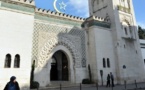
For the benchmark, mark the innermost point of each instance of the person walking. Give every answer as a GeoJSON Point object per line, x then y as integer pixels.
{"type": "Point", "coordinates": [108, 81]}
{"type": "Point", "coordinates": [112, 79]}
{"type": "Point", "coordinates": [12, 84]}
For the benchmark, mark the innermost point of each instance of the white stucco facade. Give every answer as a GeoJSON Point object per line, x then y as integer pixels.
{"type": "Point", "coordinates": [142, 46]}
{"type": "Point", "coordinates": [16, 38]}
{"type": "Point", "coordinates": [107, 41]}
{"type": "Point", "coordinates": [125, 43]}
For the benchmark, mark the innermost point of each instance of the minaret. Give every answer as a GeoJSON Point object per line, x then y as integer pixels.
{"type": "Point", "coordinates": [117, 45]}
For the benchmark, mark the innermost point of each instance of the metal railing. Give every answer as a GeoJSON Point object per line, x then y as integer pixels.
{"type": "Point", "coordinates": [125, 86]}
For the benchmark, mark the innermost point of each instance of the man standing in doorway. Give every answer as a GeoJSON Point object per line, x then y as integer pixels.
{"type": "Point", "coordinates": [112, 79]}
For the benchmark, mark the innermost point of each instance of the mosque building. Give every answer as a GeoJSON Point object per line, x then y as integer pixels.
{"type": "Point", "coordinates": [62, 46]}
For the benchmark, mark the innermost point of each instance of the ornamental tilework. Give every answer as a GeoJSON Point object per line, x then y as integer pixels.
{"type": "Point", "coordinates": [47, 36]}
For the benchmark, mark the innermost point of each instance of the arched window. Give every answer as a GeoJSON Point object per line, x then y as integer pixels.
{"type": "Point", "coordinates": [8, 61]}
{"type": "Point", "coordinates": [17, 61]}
{"type": "Point", "coordinates": [126, 27]}
{"type": "Point", "coordinates": [104, 63]}
{"type": "Point", "coordinates": [108, 63]}
{"type": "Point", "coordinates": [124, 46]}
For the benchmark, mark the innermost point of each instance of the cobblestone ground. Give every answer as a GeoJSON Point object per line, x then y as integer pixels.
{"type": "Point", "coordinates": [140, 86]}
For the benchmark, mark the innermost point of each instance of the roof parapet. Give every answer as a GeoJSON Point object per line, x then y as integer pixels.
{"type": "Point", "coordinates": [26, 2]}
{"type": "Point", "coordinates": [56, 14]}
{"type": "Point", "coordinates": [98, 19]}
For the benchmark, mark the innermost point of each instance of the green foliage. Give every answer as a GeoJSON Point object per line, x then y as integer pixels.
{"type": "Point", "coordinates": [141, 33]}
{"type": "Point", "coordinates": [90, 74]}
{"type": "Point", "coordinates": [32, 72]}
{"type": "Point", "coordinates": [33, 84]}
{"type": "Point", "coordinates": [86, 81]}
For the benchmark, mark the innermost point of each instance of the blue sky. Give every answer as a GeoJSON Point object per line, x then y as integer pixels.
{"type": "Point", "coordinates": [80, 8]}
{"type": "Point", "coordinates": [139, 7]}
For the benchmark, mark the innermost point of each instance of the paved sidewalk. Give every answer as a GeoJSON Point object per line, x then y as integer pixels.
{"type": "Point", "coordinates": [140, 86]}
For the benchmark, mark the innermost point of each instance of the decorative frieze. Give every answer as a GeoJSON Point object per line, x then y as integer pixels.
{"type": "Point", "coordinates": [51, 44]}
{"type": "Point", "coordinates": [124, 9]}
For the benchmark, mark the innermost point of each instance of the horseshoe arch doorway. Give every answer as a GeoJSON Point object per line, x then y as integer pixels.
{"type": "Point", "coordinates": [59, 67]}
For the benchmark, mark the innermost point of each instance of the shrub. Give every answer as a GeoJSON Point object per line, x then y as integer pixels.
{"type": "Point", "coordinates": [34, 85]}
{"type": "Point", "coordinates": [86, 81]}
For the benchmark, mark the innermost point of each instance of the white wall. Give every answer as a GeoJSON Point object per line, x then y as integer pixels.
{"type": "Point", "coordinates": [142, 44]}
{"type": "Point", "coordinates": [16, 38]}
{"type": "Point", "coordinates": [143, 52]}
{"type": "Point", "coordinates": [101, 46]}
{"type": "Point", "coordinates": [104, 49]}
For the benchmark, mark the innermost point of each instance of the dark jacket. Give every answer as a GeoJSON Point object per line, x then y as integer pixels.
{"type": "Point", "coordinates": [112, 77]}
{"type": "Point", "coordinates": [7, 86]}
{"type": "Point", "coordinates": [108, 78]}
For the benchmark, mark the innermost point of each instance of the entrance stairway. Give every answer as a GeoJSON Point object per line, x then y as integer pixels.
{"type": "Point", "coordinates": [57, 84]}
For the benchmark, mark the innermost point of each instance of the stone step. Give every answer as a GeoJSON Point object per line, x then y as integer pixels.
{"type": "Point", "coordinates": [65, 86]}
{"type": "Point", "coordinates": [62, 83]}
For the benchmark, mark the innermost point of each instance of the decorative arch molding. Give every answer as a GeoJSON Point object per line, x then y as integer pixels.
{"type": "Point", "coordinates": [126, 21]}
{"type": "Point", "coordinates": [54, 42]}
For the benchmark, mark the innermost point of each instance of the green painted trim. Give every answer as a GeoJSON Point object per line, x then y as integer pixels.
{"type": "Point", "coordinates": [47, 18]}
{"type": "Point", "coordinates": [17, 7]}
{"type": "Point", "coordinates": [101, 24]}
{"type": "Point", "coordinates": [97, 23]}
